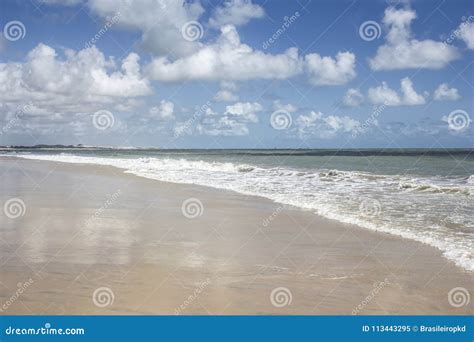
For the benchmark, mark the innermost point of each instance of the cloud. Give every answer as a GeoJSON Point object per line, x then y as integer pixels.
{"type": "Point", "coordinates": [277, 105]}
{"type": "Point", "coordinates": [235, 12]}
{"type": "Point", "coordinates": [444, 93]}
{"type": "Point", "coordinates": [329, 71]}
{"type": "Point", "coordinates": [315, 124]}
{"type": "Point", "coordinates": [61, 90]}
{"type": "Point", "coordinates": [159, 21]}
{"type": "Point", "coordinates": [353, 98]}
{"type": "Point", "coordinates": [466, 33]}
{"type": "Point", "coordinates": [82, 72]}
{"type": "Point", "coordinates": [226, 93]}
{"type": "Point", "coordinates": [245, 111]}
{"type": "Point", "coordinates": [165, 111]}
{"type": "Point", "coordinates": [401, 51]}
{"type": "Point", "coordinates": [227, 59]}
{"type": "Point", "coordinates": [409, 96]}
{"type": "Point", "coordinates": [383, 94]}
{"type": "Point", "coordinates": [234, 121]}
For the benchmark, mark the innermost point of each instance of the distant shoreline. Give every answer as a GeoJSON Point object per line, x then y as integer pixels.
{"type": "Point", "coordinates": [363, 152]}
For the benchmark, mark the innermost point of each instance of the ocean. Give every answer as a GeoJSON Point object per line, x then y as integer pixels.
{"type": "Point", "coordinates": [424, 195]}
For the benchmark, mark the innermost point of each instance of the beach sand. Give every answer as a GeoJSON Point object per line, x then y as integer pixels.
{"type": "Point", "coordinates": [86, 228]}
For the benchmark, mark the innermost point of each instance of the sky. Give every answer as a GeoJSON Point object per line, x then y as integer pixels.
{"type": "Point", "coordinates": [237, 73]}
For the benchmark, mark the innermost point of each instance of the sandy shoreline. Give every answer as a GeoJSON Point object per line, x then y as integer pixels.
{"type": "Point", "coordinates": [88, 227]}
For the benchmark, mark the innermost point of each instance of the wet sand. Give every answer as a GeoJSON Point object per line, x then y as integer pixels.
{"type": "Point", "coordinates": [96, 229]}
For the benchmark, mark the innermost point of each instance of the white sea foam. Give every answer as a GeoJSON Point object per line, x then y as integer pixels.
{"type": "Point", "coordinates": [434, 210]}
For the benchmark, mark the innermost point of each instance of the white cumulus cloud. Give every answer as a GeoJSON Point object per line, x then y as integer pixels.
{"type": "Point", "coordinates": [235, 12]}
{"type": "Point", "coordinates": [353, 98]}
{"type": "Point", "coordinates": [158, 21]}
{"type": "Point", "coordinates": [466, 33]}
{"type": "Point", "coordinates": [227, 59]}
{"type": "Point", "coordinates": [330, 71]}
{"type": "Point", "coordinates": [226, 92]}
{"type": "Point", "coordinates": [290, 108]}
{"type": "Point", "coordinates": [164, 111]}
{"type": "Point", "coordinates": [383, 94]}
{"type": "Point", "coordinates": [234, 121]}
{"type": "Point", "coordinates": [315, 124]}
{"type": "Point", "coordinates": [84, 76]}
{"type": "Point", "coordinates": [445, 93]}
{"type": "Point", "coordinates": [402, 51]}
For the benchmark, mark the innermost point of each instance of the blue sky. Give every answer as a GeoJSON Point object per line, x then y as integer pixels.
{"type": "Point", "coordinates": [237, 73]}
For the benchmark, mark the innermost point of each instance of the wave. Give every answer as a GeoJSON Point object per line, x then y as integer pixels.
{"type": "Point", "coordinates": [434, 188]}
{"type": "Point", "coordinates": [410, 207]}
